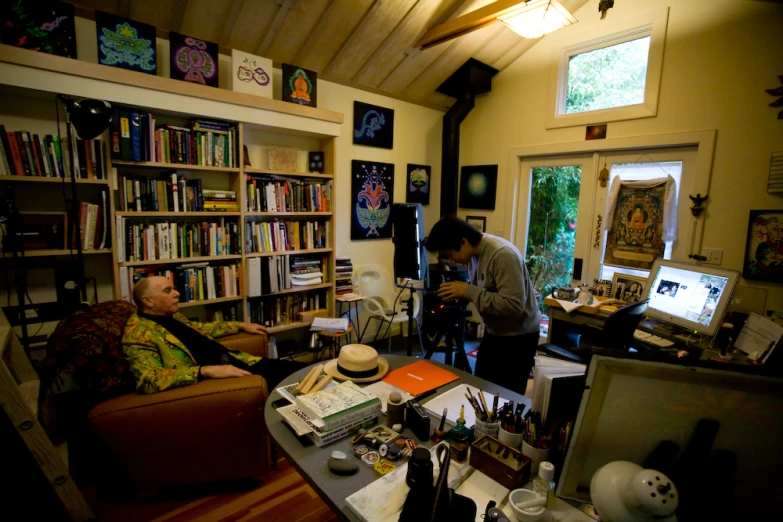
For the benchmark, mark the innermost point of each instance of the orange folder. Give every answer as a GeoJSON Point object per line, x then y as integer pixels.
{"type": "Point", "coordinates": [419, 377]}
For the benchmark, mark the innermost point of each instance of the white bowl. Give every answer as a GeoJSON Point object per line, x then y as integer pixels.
{"type": "Point", "coordinates": [519, 496]}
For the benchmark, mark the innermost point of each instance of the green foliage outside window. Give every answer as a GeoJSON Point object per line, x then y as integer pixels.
{"type": "Point", "coordinates": [609, 77]}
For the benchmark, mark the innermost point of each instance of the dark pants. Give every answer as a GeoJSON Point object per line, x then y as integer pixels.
{"type": "Point", "coordinates": [507, 360]}
{"type": "Point", "coordinates": [274, 370]}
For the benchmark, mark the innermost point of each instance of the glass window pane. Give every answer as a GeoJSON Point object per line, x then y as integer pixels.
{"type": "Point", "coordinates": [613, 76]}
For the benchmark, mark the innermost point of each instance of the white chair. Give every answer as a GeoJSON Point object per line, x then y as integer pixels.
{"type": "Point", "coordinates": [383, 301]}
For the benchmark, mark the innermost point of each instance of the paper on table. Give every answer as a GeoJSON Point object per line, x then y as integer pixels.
{"type": "Point", "coordinates": [327, 324]}
{"type": "Point", "coordinates": [349, 297]}
{"type": "Point", "coordinates": [382, 390]}
{"type": "Point", "coordinates": [568, 306]}
{"type": "Point", "coordinates": [455, 398]}
{"type": "Point", "coordinates": [759, 335]}
{"type": "Point", "coordinates": [292, 419]}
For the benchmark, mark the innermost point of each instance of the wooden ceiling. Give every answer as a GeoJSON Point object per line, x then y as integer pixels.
{"type": "Point", "coordinates": [362, 43]}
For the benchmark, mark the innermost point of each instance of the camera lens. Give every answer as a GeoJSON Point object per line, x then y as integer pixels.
{"type": "Point", "coordinates": [419, 469]}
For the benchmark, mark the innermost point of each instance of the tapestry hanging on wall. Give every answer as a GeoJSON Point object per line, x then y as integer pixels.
{"type": "Point", "coordinates": [39, 25]}
{"type": "Point", "coordinates": [764, 249]}
{"type": "Point", "coordinates": [300, 86]}
{"type": "Point", "coordinates": [373, 126]}
{"type": "Point", "coordinates": [418, 190]}
{"type": "Point", "coordinates": [251, 74]}
{"type": "Point", "coordinates": [478, 186]}
{"type": "Point", "coordinates": [125, 43]}
{"type": "Point", "coordinates": [635, 239]}
{"type": "Point", "coordinates": [372, 195]}
{"type": "Point", "coordinates": [193, 60]}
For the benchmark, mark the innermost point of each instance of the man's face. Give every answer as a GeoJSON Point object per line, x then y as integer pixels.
{"type": "Point", "coordinates": [461, 256]}
{"type": "Point", "coordinates": [162, 298]}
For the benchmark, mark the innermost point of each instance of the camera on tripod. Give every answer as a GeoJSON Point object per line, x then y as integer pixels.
{"type": "Point", "coordinates": [444, 272]}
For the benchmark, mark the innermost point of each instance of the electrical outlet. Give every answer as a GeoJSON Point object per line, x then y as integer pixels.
{"type": "Point", "coordinates": [714, 255]}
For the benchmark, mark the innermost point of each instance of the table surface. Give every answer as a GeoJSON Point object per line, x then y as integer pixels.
{"type": "Point", "coordinates": [310, 461]}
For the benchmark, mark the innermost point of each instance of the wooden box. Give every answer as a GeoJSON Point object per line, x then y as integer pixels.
{"type": "Point", "coordinates": [503, 464]}
{"type": "Point", "coordinates": [308, 316]}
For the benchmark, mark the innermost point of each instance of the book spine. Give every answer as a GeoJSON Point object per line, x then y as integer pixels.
{"type": "Point", "coordinates": [322, 439]}
{"type": "Point", "coordinates": [126, 149]}
{"type": "Point", "coordinates": [15, 154]}
{"type": "Point", "coordinates": [24, 150]}
{"type": "Point", "coordinates": [8, 158]}
{"type": "Point", "coordinates": [341, 419]}
{"type": "Point", "coordinates": [135, 136]}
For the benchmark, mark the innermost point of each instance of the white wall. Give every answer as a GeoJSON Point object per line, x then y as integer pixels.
{"type": "Point", "coordinates": [720, 55]}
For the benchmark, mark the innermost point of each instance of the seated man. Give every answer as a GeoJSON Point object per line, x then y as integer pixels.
{"type": "Point", "coordinates": [165, 350]}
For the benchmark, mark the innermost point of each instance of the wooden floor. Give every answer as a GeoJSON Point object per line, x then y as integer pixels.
{"type": "Point", "coordinates": [284, 495]}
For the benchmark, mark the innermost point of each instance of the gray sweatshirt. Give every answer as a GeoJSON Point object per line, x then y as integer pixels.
{"type": "Point", "coordinates": [501, 288]}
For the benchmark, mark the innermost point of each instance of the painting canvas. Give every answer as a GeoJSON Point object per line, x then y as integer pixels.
{"type": "Point", "coordinates": [418, 190]}
{"type": "Point", "coordinates": [39, 25]}
{"type": "Point", "coordinates": [251, 74]}
{"type": "Point", "coordinates": [372, 193]}
{"type": "Point", "coordinates": [477, 187]}
{"type": "Point", "coordinates": [636, 236]}
{"type": "Point", "coordinates": [764, 248]}
{"type": "Point", "coordinates": [125, 43]}
{"type": "Point", "coordinates": [373, 126]}
{"type": "Point", "coordinates": [193, 60]}
{"type": "Point", "coordinates": [300, 86]}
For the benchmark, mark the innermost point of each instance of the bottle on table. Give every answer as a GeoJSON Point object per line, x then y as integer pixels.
{"type": "Point", "coordinates": [544, 483]}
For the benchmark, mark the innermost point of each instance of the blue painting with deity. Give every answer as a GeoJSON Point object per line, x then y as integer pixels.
{"type": "Point", "coordinates": [372, 191]}
{"type": "Point", "coordinates": [125, 43]}
{"type": "Point", "coordinates": [373, 125]}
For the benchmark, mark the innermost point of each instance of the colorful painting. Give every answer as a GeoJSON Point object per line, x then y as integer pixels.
{"type": "Point", "coordinates": [125, 43]}
{"type": "Point", "coordinates": [251, 74]}
{"type": "Point", "coordinates": [418, 184]}
{"type": "Point", "coordinates": [764, 249]}
{"type": "Point", "coordinates": [193, 60]}
{"type": "Point", "coordinates": [373, 126]}
{"type": "Point", "coordinates": [478, 187]}
{"type": "Point", "coordinates": [300, 86]}
{"type": "Point", "coordinates": [39, 25]}
{"type": "Point", "coordinates": [372, 188]}
{"type": "Point", "coordinates": [636, 237]}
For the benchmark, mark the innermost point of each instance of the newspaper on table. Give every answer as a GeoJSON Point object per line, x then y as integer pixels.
{"type": "Point", "coordinates": [323, 324]}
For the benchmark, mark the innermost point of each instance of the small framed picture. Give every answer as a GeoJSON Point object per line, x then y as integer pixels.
{"type": "Point", "coordinates": [477, 222]}
{"type": "Point", "coordinates": [628, 288]}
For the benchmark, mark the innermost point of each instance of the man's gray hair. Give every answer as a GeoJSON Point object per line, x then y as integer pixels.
{"type": "Point", "coordinates": [141, 289]}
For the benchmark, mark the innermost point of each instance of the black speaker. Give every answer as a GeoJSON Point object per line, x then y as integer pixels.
{"type": "Point", "coordinates": [407, 236]}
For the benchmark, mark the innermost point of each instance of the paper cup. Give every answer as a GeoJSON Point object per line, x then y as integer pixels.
{"type": "Point", "coordinates": [482, 428]}
{"type": "Point", "coordinates": [510, 439]}
{"type": "Point", "coordinates": [537, 456]}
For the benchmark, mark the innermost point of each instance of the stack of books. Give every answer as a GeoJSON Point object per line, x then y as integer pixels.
{"type": "Point", "coordinates": [220, 200]}
{"type": "Point", "coordinates": [306, 271]}
{"type": "Point", "coordinates": [344, 270]}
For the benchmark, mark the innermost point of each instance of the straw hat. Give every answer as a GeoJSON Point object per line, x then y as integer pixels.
{"type": "Point", "coordinates": [357, 363]}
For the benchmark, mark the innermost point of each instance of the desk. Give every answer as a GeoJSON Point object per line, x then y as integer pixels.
{"type": "Point", "coordinates": [310, 461]}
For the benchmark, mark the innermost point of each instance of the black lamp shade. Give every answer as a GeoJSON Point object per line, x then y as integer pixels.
{"type": "Point", "coordinates": [89, 117]}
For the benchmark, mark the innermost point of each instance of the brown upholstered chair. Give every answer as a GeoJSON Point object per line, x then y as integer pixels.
{"type": "Point", "coordinates": [211, 431]}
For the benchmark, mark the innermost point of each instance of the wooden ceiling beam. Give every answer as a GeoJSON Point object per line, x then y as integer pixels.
{"type": "Point", "coordinates": [276, 23]}
{"type": "Point", "coordinates": [232, 14]}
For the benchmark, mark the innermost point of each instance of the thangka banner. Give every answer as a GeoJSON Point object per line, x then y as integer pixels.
{"type": "Point", "coordinates": [635, 239]}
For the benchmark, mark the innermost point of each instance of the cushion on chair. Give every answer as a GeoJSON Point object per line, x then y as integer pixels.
{"type": "Point", "coordinates": [88, 346]}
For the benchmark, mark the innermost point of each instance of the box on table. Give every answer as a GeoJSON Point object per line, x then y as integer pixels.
{"type": "Point", "coordinates": [503, 464]}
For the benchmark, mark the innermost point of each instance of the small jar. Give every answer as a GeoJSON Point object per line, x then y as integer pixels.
{"type": "Point", "coordinates": [459, 447]}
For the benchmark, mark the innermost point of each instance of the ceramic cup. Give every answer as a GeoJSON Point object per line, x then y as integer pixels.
{"type": "Point", "coordinates": [486, 428]}
{"type": "Point", "coordinates": [510, 439]}
{"type": "Point", "coordinates": [519, 496]}
{"type": "Point", "coordinates": [537, 456]}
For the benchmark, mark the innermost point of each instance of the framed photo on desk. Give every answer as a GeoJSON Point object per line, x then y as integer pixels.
{"type": "Point", "coordinates": [627, 288]}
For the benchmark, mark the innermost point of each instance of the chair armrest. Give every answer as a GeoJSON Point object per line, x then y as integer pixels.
{"type": "Point", "coordinates": [559, 353]}
{"type": "Point", "coordinates": [248, 343]}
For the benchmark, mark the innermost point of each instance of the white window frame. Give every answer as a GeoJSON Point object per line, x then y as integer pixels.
{"type": "Point", "coordinates": [652, 24]}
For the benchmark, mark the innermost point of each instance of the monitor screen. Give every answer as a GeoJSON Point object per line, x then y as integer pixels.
{"type": "Point", "coordinates": [691, 296]}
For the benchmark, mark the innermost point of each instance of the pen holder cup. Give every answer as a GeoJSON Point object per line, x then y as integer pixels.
{"type": "Point", "coordinates": [482, 428]}
{"type": "Point", "coordinates": [513, 440]}
{"type": "Point", "coordinates": [537, 456]}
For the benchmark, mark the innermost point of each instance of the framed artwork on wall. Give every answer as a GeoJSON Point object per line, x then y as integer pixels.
{"type": "Point", "coordinates": [315, 161]}
{"type": "Point", "coordinates": [373, 125]}
{"type": "Point", "coordinates": [372, 194]}
{"type": "Point", "coordinates": [126, 43]}
{"type": "Point", "coordinates": [47, 26]}
{"type": "Point", "coordinates": [627, 288]}
{"type": "Point", "coordinates": [251, 74]}
{"type": "Point", "coordinates": [478, 187]}
{"type": "Point", "coordinates": [477, 222]}
{"type": "Point", "coordinates": [764, 247]}
{"type": "Point", "coordinates": [418, 184]}
{"type": "Point", "coordinates": [193, 60]}
{"type": "Point", "coordinates": [300, 86]}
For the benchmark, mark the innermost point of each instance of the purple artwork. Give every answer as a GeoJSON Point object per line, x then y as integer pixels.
{"type": "Point", "coordinates": [194, 60]}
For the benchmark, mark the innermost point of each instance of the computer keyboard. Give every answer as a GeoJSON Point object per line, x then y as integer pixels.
{"type": "Point", "coordinates": [652, 339]}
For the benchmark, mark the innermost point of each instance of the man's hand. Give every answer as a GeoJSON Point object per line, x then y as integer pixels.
{"type": "Point", "coordinates": [252, 328]}
{"type": "Point", "coordinates": [225, 371]}
{"type": "Point", "coordinates": [452, 290]}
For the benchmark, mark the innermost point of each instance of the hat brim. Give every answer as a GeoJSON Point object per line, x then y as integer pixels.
{"type": "Point", "coordinates": [331, 369]}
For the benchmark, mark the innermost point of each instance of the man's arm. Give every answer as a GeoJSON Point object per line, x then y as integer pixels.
{"type": "Point", "coordinates": [147, 368]}
{"type": "Point", "coordinates": [509, 299]}
{"type": "Point", "coordinates": [215, 329]}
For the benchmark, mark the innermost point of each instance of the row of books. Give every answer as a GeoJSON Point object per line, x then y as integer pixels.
{"type": "Point", "coordinates": [343, 275]}
{"type": "Point", "coordinates": [272, 194]}
{"type": "Point", "coordinates": [135, 137]}
{"type": "Point", "coordinates": [93, 225]}
{"type": "Point", "coordinates": [25, 154]}
{"type": "Point", "coordinates": [281, 236]}
{"type": "Point", "coordinates": [284, 310]}
{"type": "Point", "coordinates": [171, 193]}
{"type": "Point", "coordinates": [172, 240]}
{"type": "Point", "coordinates": [276, 273]}
{"type": "Point", "coordinates": [194, 281]}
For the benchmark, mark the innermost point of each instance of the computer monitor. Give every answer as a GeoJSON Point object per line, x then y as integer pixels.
{"type": "Point", "coordinates": [694, 297]}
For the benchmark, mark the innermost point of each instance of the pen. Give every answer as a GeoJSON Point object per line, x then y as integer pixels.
{"type": "Point", "coordinates": [484, 404]}
{"type": "Point", "coordinates": [495, 405]}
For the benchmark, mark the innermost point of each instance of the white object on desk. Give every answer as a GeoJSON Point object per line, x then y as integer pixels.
{"type": "Point", "coordinates": [323, 324]}
{"type": "Point", "coordinates": [382, 390]}
{"type": "Point", "coordinates": [759, 335]}
{"type": "Point", "coordinates": [453, 399]}
{"type": "Point", "coordinates": [623, 491]}
{"type": "Point", "coordinates": [649, 338]}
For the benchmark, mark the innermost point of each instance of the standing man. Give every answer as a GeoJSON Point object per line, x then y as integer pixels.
{"type": "Point", "coordinates": [165, 350]}
{"type": "Point", "coordinates": [501, 290]}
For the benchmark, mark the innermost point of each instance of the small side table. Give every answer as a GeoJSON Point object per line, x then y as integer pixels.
{"type": "Point", "coordinates": [355, 300]}
{"type": "Point", "coordinates": [331, 340]}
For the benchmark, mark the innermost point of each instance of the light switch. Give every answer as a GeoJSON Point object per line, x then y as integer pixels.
{"type": "Point", "coordinates": [714, 255]}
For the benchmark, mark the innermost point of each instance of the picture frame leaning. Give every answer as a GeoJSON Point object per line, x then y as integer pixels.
{"type": "Point", "coordinates": [628, 288]}
{"type": "Point", "coordinates": [477, 222]}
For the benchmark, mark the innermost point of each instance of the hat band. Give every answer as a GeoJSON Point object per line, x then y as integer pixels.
{"type": "Point", "coordinates": [357, 375]}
